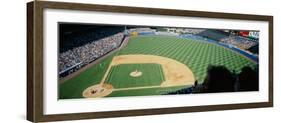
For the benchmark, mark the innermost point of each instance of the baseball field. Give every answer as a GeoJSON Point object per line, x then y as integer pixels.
{"type": "Point", "coordinates": [151, 65]}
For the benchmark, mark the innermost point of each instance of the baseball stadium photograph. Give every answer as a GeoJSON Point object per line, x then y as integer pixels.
{"type": "Point", "coordinates": [103, 60]}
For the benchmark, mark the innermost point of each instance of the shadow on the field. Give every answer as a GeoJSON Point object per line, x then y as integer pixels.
{"type": "Point", "coordinates": [220, 79]}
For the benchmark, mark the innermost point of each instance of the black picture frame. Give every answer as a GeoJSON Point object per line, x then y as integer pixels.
{"type": "Point", "coordinates": [35, 70]}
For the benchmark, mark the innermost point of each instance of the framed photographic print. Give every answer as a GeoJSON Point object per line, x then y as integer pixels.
{"type": "Point", "coordinates": [96, 61]}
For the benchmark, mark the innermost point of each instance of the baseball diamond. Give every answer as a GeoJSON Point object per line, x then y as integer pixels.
{"type": "Point", "coordinates": [165, 64]}
{"type": "Point", "coordinates": [119, 75]}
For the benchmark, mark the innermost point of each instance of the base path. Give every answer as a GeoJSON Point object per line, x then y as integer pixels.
{"type": "Point", "coordinates": [175, 73]}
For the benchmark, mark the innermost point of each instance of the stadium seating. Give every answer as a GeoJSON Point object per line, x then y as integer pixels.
{"type": "Point", "coordinates": [79, 49]}
{"type": "Point", "coordinates": [213, 34]}
{"type": "Point", "coordinates": [240, 42]}
{"type": "Point", "coordinates": [235, 43]}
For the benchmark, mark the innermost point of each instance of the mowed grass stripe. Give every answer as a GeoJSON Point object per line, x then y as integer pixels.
{"type": "Point", "coordinates": [139, 45]}
{"type": "Point", "coordinates": [180, 53]}
{"type": "Point", "coordinates": [197, 55]}
{"type": "Point", "coordinates": [74, 87]}
{"type": "Point", "coordinates": [120, 75]}
{"type": "Point", "coordinates": [161, 47]}
{"type": "Point", "coordinates": [110, 74]}
{"type": "Point", "coordinates": [146, 91]}
{"type": "Point", "coordinates": [161, 73]}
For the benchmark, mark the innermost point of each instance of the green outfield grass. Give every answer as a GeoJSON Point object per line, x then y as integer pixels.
{"type": "Point", "coordinates": [74, 87]}
{"type": "Point", "coordinates": [197, 55]}
{"type": "Point", "coordinates": [119, 75]}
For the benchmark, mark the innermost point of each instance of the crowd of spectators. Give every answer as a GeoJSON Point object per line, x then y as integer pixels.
{"type": "Point", "coordinates": [85, 54]}
{"type": "Point", "coordinates": [141, 30]}
{"type": "Point", "coordinates": [213, 34]}
{"type": "Point", "coordinates": [193, 31]}
{"type": "Point", "coordinates": [83, 35]}
{"type": "Point", "coordinates": [221, 37]}
{"type": "Point", "coordinates": [194, 37]}
{"type": "Point", "coordinates": [239, 41]}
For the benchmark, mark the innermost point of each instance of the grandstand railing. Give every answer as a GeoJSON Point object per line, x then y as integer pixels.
{"type": "Point", "coordinates": [69, 68]}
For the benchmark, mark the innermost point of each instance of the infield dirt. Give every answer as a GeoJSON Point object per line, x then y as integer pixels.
{"type": "Point", "coordinates": [175, 73]}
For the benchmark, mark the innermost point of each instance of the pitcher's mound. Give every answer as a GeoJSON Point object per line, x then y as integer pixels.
{"type": "Point", "coordinates": [136, 73]}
